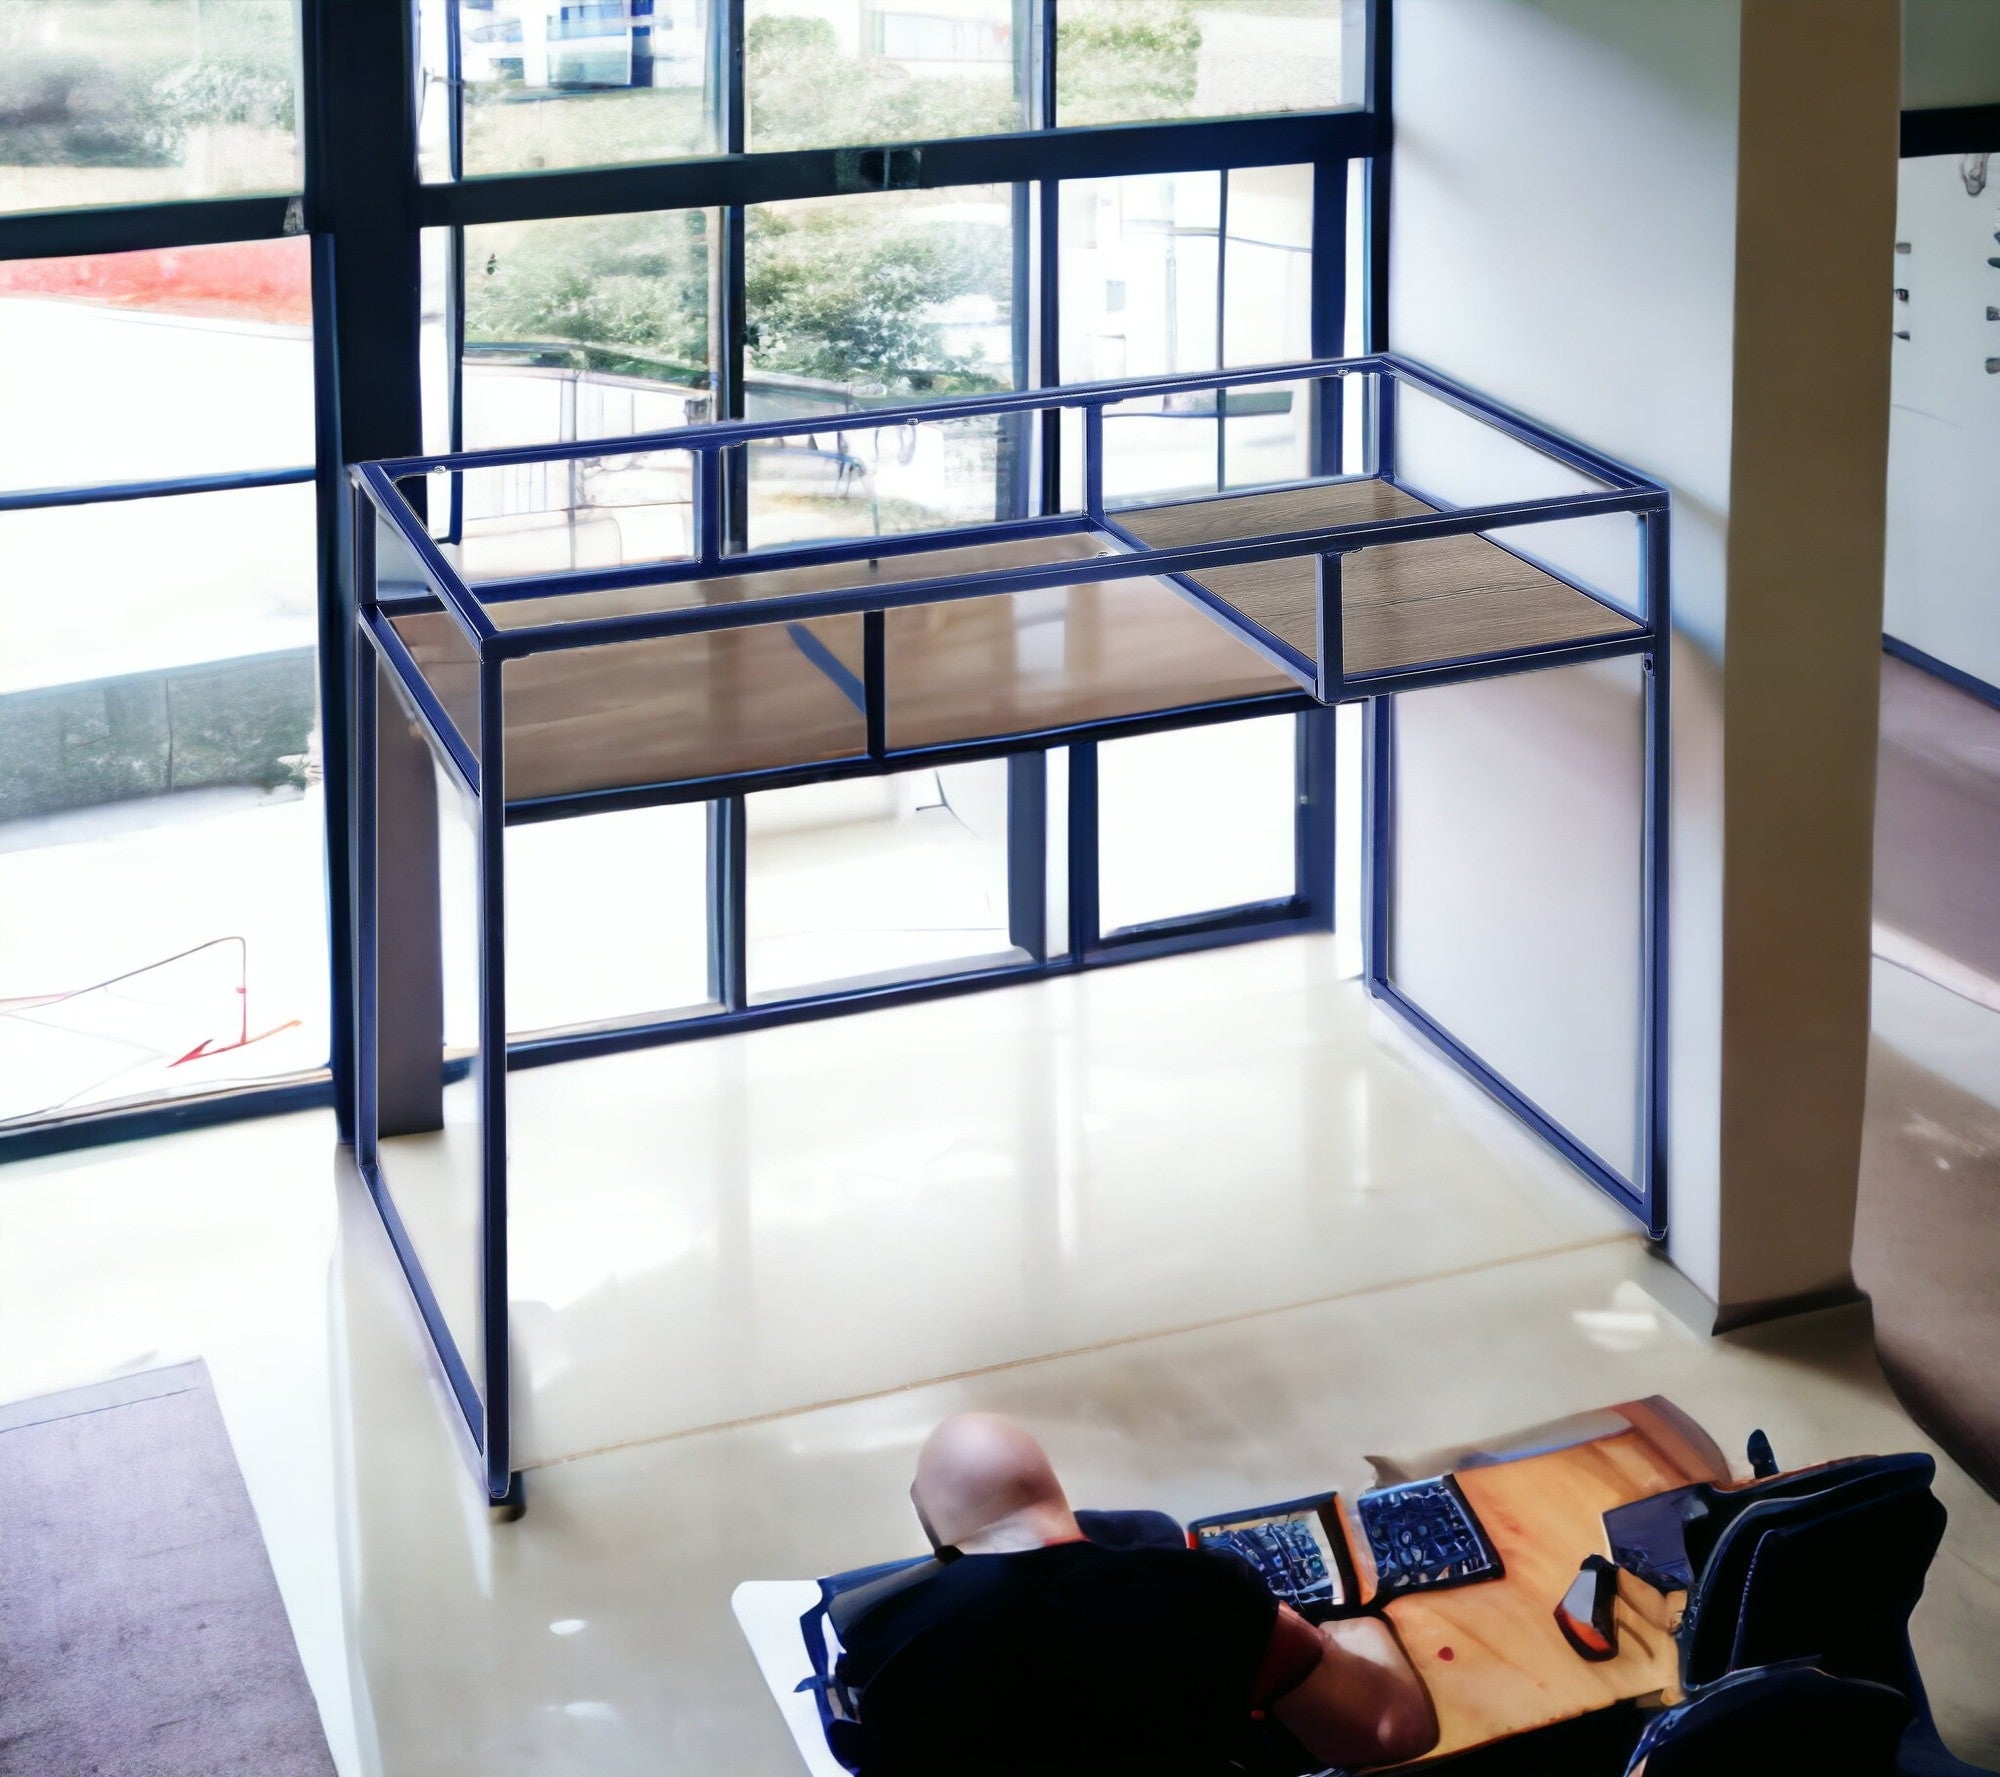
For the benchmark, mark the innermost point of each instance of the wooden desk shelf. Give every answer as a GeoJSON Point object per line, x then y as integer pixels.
{"type": "Point", "coordinates": [1402, 604]}
{"type": "Point", "coordinates": [681, 709]}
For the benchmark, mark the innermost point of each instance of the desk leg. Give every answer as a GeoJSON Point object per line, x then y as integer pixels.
{"type": "Point", "coordinates": [405, 1058]}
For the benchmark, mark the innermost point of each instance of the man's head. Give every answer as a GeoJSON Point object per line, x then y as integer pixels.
{"type": "Point", "coordinates": [985, 1486]}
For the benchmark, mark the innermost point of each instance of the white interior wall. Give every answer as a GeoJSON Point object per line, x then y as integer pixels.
{"type": "Point", "coordinates": [1943, 579]}
{"type": "Point", "coordinates": [1942, 591]}
{"type": "Point", "coordinates": [1951, 53]}
{"type": "Point", "coordinates": [1563, 238]}
{"type": "Point", "coordinates": [1601, 218]}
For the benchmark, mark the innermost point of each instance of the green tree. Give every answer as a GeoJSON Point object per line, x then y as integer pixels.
{"type": "Point", "coordinates": [1124, 60]}
{"type": "Point", "coordinates": [625, 293]}
{"type": "Point", "coordinates": [804, 93]}
{"type": "Point", "coordinates": [834, 293]}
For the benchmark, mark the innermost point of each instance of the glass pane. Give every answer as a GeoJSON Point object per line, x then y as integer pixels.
{"type": "Point", "coordinates": [863, 302]}
{"type": "Point", "coordinates": [1267, 280]}
{"type": "Point", "coordinates": [435, 304]}
{"type": "Point", "coordinates": [607, 917]}
{"type": "Point", "coordinates": [1140, 292]}
{"type": "Point", "coordinates": [876, 481]}
{"type": "Point", "coordinates": [138, 101]}
{"type": "Point", "coordinates": [1143, 294]}
{"type": "Point", "coordinates": [587, 83]}
{"type": "Point", "coordinates": [1516, 897]}
{"type": "Point", "coordinates": [592, 327]}
{"type": "Point", "coordinates": [564, 514]}
{"type": "Point", "coordinates": [162, 920]}
{"type": "Point", "coordinates": [856, 299]}
{"type": "Point", "coordinates": [139, 366]}
{"type": "Point", "coordinates": [1139, 275]}
{"type": "Point", "coordinates": [878, 879]}
{"type": "Point", "coordinates": [434, 1177]}
{"type": "Point", "coordinates": [856, 71]}
{"type": "Point", "coordinates": [1120, 61]}
{"type": "Point", "coordinates": [1195, 820]}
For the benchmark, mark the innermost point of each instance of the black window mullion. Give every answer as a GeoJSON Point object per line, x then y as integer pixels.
{"type": "Point", "coordinates": [1048, 372]}
{"type": "Point", "coordinates": [361, 180]}
{"type": "Point", "coordinates": [1096, 152]}
{"type": "Point", "coordinates": [1329, 312]}
{"type": "Point", "coordinates": [1013, 496]}
{"type": "Point", "coordinates": [728, 274]}
{"type": "Point", "coordinates": [1084, 842]}
{"type": "Point", "coordinates": [454, 331]}
{"type": "Point", "coordinates": [1028, 853]}
{"type": "Point", "coordinates": [454, 78]}
{"type": "Point", "coordinates": [1381, 63]}
{"type": "Point", "coordinates": [141, 228]}
{"type": "Point", "coordinates": [1045, 50]}
{"type": "Point", "coordinates": [733, 125]}
{"type": "Point", "coordinates": [728, 946]}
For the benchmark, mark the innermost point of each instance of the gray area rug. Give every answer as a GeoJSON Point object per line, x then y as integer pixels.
{"type": "Point", "coordinates": [141, 1631]}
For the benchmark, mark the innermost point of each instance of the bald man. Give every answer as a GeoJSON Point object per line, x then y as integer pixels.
{"type": "Point", "coordinates": [1037, 1653]}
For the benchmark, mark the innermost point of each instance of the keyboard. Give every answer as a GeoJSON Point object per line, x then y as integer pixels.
{"type": "Point", "coordinates": [1296, 1549]}
{"type": "Point", "coordinates": [1424, 1535]}
{"type": "Point", "coordinates": [1286, 1557]}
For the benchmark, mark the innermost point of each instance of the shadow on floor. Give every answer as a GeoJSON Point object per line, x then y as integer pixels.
{"type": "Point", "coordinates": [1927, 1233]}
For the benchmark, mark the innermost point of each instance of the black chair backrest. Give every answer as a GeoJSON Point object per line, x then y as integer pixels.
{"type": "Point", "coordinates": [1721, 1506]}
{"type": "Point", "coordinates": [850, 1604]}
{"type": "Point", "coordinates": [1840, 1586]}
{"type": "Point", "coordinates": [1791, 1720]}
{"type": "Point", "coordinates": [1830, 1575]}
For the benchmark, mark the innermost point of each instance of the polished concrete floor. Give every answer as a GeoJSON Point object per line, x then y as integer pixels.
{"type": "Point", "coordinates": [1420, 1272]}
{"type": "Point", "coordinates": [1927, 1239]}
{"type": "Point", "coordinates": [1937, 833]}
{"type": "Point", "coordinates": [757, 1223]}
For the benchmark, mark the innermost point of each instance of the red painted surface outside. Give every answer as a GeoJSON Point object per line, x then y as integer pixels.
{"type": "Point", "coordinates": [268, 281]}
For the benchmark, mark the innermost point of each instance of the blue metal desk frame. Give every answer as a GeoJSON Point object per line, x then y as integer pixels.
{"type": "Point", "coordinates": [1323, 682]}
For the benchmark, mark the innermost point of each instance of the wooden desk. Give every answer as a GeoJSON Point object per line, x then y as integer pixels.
{"type": "Point", "coordinates": [741, 700]}
{"type": "Point", "coordinates": [1490, 1653]}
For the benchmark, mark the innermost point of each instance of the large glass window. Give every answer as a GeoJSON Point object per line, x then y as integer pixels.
{"type": "Point", "coordinates": [162, 912]}
{"type": "Point", "coordinates": [607, 918]}
{"type": "Point", "coordinates": [135, 101]}
{"type": "Point", "coordinates": [1195, 820]}
{"type": "Point", "coordinates": [1171, 272]}
{"type": "Point", "coordinates": [533, 84]}
{"type": "Point", "coordinates": [859, 302]}
{"type": "Point", "coordinates": [162, 875]}
{"type": "Point", "coordinates": [878, 880]}
{"type": "Point", "coordinates": [511, 86]}
{"type": "Point", "coordinates": [586, 327]}
{"type": "Point", "coordinates": [141, 366]}
{"type": "Point", "coordinates": [858, 299]}
{"type": "Point", "coordinates": [1122, 61]}
{"type": "Point", "coordinates": [823, 72]}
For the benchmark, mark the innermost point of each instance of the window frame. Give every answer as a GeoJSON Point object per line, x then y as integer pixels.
{"type": "Point", "coordinates": [365, 207]}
